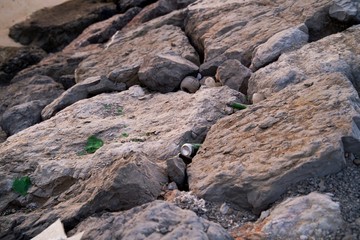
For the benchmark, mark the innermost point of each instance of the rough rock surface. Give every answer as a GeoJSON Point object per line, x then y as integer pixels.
{"type": "Point", "coordinates": [314, 216]}
{"type": "Point", "coordinates": [156, 220]}
{"type": "Point", "coordinates": [259, 152]}
{"type": "Point", "coordinates": [137, 143]}
{"type": "Point", "coordinates": [234, 75]}
{"type": "Point", "coordinates": [14, 59]}
{"type": "Point", "coordinates": [336, 53]}
{"type": "Point", "coordinates": [164, 72]}
{"type": "Point", "coordinates": [129, 51]}
{"type": "Point", "coordinates": [22, 102]}
{"type": "Point", "coordinates": [176, 169]}
{"type": "Point", "coordinates": [90, 87]}
{"type": "Point", "coordinates": [345, 10]}
{"type": "Point", "coordinates": [67, 22]}
{"type": "Point", "coordinates": [286, 40]}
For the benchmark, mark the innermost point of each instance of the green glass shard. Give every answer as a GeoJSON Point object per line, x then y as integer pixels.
{"type": "Point", "coordinates": [238, 106]}
{"type": "Point", "coordinates": [93, 143]}
{"type": "Point", "coordinates": [21, 185]}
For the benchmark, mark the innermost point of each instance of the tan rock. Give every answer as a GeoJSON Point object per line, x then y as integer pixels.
{"type": "Point", "coordinates": [251, 157]}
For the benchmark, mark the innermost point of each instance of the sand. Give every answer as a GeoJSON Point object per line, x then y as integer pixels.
{"type": "Point", "coordinates": [14, 11]}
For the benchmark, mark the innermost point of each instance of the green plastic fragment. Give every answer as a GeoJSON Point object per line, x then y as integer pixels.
{"type": "Point", "coordinates": [21, 185]}
{"type": "Point", "coordinates": [93, 143]}
{"type": "Point", "coordinates": [238, 106]}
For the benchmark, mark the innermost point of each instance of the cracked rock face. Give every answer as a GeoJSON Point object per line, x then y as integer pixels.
{"type": "Point", "coordinates": [139, 134]}
{"type": "Point", "coordinates": [261, 151]}
{"type": "Point", "coordinates": [156, 220]}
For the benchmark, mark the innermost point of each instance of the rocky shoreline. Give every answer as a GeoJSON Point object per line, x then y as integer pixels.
{"type": "Point", "coordinates": [96, 109]}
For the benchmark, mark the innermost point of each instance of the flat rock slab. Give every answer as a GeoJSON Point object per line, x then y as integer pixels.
{"type": "Point", "coordinates": [53, 28]}
{"type": "Point", "coordinates": [314, 216]}
{"type": "Point", "coordinates": [128, 51]}
{"type": "Point", "coordinates": [250, 158]}
{"type": "Point", "coordinates": [156, 220]}
{"type": "Point", "coordinates": [140, 132]}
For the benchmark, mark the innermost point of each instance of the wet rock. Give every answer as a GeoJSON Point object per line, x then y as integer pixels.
{"type": "Point", "coordinates": [90, 87]}
{"type": "Point", "coordinates": [314, 216]}
{"type": "Point", "coordinates": [164, 72]}
{"type": "Point", "coordinates": [14, 59]}
{"type": "Point", "coordinates": [138, 137]}
{"type": "Point", "coordinates": [286, 40]}
{"type": "Point", "coordinates": [176, 169]}
{"type": "Point", "coordinates": [335, 53]}
{"type": "Point", "coordinates": [154, 220]}
{"type": "Point", "coordinates": [68, 20]}
{"type": "Point", "coordinates": [299, 134]}
{"type": "Point", "coordinates": [345, 10]}
{"type": "Point", "coordinates": [127, 52]}
{"type": "Point", "coordinates": [190, 84]}
{"type": "Point", "coordinates": [234, 75]}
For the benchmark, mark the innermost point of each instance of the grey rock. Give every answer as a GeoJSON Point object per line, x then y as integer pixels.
{"type": "Point", "coordinates": [209, 68]}
{"type": "Point", "coordinates": [164, 72]}
{"type": "Point", "coordinates": [14, 59]}
{"type": "Point", "coordinates": [156, 220]}
{"type": "Point", "coordinates": [176, 169]}
{"type": "Point", "coordinates": [314, 216]}
{"type": "Point", "coordinates": [284, 149]}
{"type": "Point", "coordinates": [89, 87]}
{"type": "Point", "coordinates": [345, 10]}
{"type": "Point", "coordinates": [67, 22]}
{"type": "Point", "coordinates": [257, 97]}
{"type": "Point", "coordinates": [234, 75]}
{"type": "Point", "coordinates": [22, 116]}
{"type": "Point", "coordinates": [190, 84]}
{"type": "Point", "coordinates": [127, 75]}
{"type": "Point", "coordinates": [3, 135]}
{"type": "Point", "coordinates": [284, 41]}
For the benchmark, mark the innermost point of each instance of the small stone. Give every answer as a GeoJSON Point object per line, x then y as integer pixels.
{"type": "Point", "coordinates": [257, 97]}
{"type": "Point", "coordinates": [172, 186]}
{"type": "Point", "coordinates": [224, 208]}
{"type": "Point", "coordinates": [357, 161]}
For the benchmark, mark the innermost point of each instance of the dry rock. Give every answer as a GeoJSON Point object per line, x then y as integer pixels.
{"type": "Point", "coordinates": [314, 216]}
{"type": "Point", "coordinates": [336, 53]}
{"type": "Point", "coordinates": [127, 52]}
{"type": "Point", "coordinates": [345, 10]}
{"type": "Point", "coordinates": [286, 40]}
{"type": "Point", "coordinates": [176, 169]}
{"type": "Point", "coordinates": [190, 84]}
{"type": "Point", "coordinates": [234, 75]}
{"type": "Point", "coordinates": [67, 22]}
{"type": "Point", "coordinates": [128, 170]}
{"type": "Point", "coordinates": [156, 220]}
{"type": "Point", "coordinates": [164, 72]}
{"type": "Point", "coordinates": [300, 133]}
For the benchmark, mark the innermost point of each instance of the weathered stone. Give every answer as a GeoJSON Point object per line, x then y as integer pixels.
{"type": "Point", "coordinates": [14, 59]}
{"type": "Point", "coordinates": [164, 72]}
{"type": "Point", "coordinates": [102, 31]}
{"type": "Point", "coordinates": [90, 87]}
{"type": "Point", "coordinates": [176, 169]}
{"type": "Point", "coordinates": [22, 116]}
{"type": "Point", "coordinates": [126, 4]}
{"type": "Point", "coordinates": [257, 97]}
{"type": "Point", "coordinates": [260, 151]}
{"type": "Point", "coordinates": [125, 54]}
{"type": "Point", "coordinates": [68, 20]}
{"type": "Point", "coordinates": [211, 82]}
{"type": "Point", "coordinates": [139, 134]}
{"type": "Point", "coordinates": [157, 9]}
{"type": "Point", "coordinates": [24, 100]}
{"type": "Point", "coordinates": [314, 216]}
{"type": "Point", "coordinates": [345, 10]}
{"type": "Point", "coordinates": [335, 53]}
{"type": "Point", "coordinates": [156, 220]}
{"type": "Point", "coordinates": [209, 68]}
{"type": "Point", "coordinates": [190, 84]}
{"type": "Point", "coordinates": [286, 40]}
{"type": "Point", "coordinates": [220, 27]}
{"type": "Point", "coordinates": [234, 75]}
{"type": "Point", "coordinates": [3, 135]}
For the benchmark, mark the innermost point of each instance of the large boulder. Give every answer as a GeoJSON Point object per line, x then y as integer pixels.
{"type": "Point", "coordinates": [53, 28]}
{"type": "Point", "coordinates": [156, 220]}
{"type": "Point", "coordinates": [336, 53]}
{"type": "Point", "coordinates": [314, 216]}
{"type": "Point", "coordinates": [345, 10]}
{"type": "Point", "coordinates": [14, 59]}
{"type": "Point", "coordinates": [250, 158]}
{"type": "Point", "coordinates": [140, 132]}
{"type": "Point", "coordinates": [127, 51]}
{"type": "Point", "coordinates": [164, 72]}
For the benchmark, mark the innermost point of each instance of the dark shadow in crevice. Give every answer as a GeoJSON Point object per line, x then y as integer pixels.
{"type": "Point", "coordinates": [321, 25]}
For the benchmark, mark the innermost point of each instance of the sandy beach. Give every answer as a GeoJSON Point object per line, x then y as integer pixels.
{"type": "Point", "coordinates": [14, 11]}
